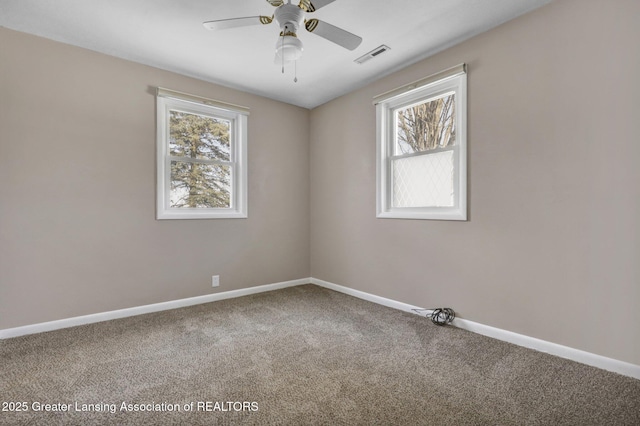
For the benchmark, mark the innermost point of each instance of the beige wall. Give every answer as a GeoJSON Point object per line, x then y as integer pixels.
{"type": "Point", "coordinates": [551, 249]}
{"type": "Point", "coordinates": [78, 233]}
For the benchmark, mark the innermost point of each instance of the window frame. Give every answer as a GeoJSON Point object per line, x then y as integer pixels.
{"type": "Point", "coordinates": [167, 101]}
{"type": "Point", "coordinates": [453, 81]}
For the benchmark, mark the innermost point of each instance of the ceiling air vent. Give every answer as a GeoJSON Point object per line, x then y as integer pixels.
{"type": "Point", "coordinates": [370, 55]}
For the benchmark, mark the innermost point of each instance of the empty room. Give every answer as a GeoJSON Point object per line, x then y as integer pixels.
{"type": "Point", "coordinates": [331, 212]}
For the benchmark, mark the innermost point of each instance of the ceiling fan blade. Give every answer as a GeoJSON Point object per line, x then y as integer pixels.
{"type": "Point", "coordinates": [223, 24]}
{"type": "Point", "coordinates": [333, 33]}
{"type": "Point", "coordinates": [313, 5]}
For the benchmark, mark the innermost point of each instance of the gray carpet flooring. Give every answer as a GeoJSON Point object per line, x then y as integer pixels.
{"type": "Point", "coordinates": [297, 356]}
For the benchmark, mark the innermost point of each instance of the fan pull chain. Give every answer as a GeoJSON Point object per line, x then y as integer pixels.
{"type": "Point", "coordinates": [295, 63]}
{"type": "Point", "coordinates": [282, 48]}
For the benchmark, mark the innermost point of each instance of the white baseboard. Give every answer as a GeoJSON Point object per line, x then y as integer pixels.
{"type": "Point", "coordinates": [365, 296]}
{"type": "Point", "coordinates": [146, 309]}
{"type": "Point", "coordinates": [577, 355]}
{"type": "Point", "coordinates": [609, 364]}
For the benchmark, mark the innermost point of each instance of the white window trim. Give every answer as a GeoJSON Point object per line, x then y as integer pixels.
{"type": "Point", "coordinates": [451, 80]}
{"type": "Point", "coordinates": [172, 100]}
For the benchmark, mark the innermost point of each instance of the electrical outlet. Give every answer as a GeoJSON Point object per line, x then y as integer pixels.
{"type": "Point", "coordinates": [215, 281]}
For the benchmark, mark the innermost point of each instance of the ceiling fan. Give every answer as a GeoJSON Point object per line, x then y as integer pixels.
{"type": "Point", "coordinates": [290, 18]}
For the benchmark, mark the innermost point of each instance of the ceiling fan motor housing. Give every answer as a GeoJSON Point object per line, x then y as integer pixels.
{"type": "Point", "coordinates": [289, 17]}
{"type": "Point", "coordinates": [289, 47]}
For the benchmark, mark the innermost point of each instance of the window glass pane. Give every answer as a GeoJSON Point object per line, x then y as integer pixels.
{"type": "Point", "coordinates": [426, 126]}
{"type": "Point", "coordinates": [424, 180]}
{"type": "Point", "coordinates": [199, 136]}
{"type": "Point", "coordinates": [195, 185]}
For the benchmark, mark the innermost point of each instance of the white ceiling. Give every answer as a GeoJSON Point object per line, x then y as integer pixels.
{"type": "Point", "coordinates": [168, 34]}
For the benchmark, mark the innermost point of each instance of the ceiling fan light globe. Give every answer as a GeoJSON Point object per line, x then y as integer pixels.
{"type": "Point", "coordinates": [289, 48]}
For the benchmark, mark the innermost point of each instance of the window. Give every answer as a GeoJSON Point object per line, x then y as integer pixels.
{"type": "Point", "coordinates": [201, 158]}
{"type": "Point", "coordinates": [421, 149]}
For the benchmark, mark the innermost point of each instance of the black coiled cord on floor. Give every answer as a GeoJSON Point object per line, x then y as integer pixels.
{"type": "Point", "coordinates": [439, 316]}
